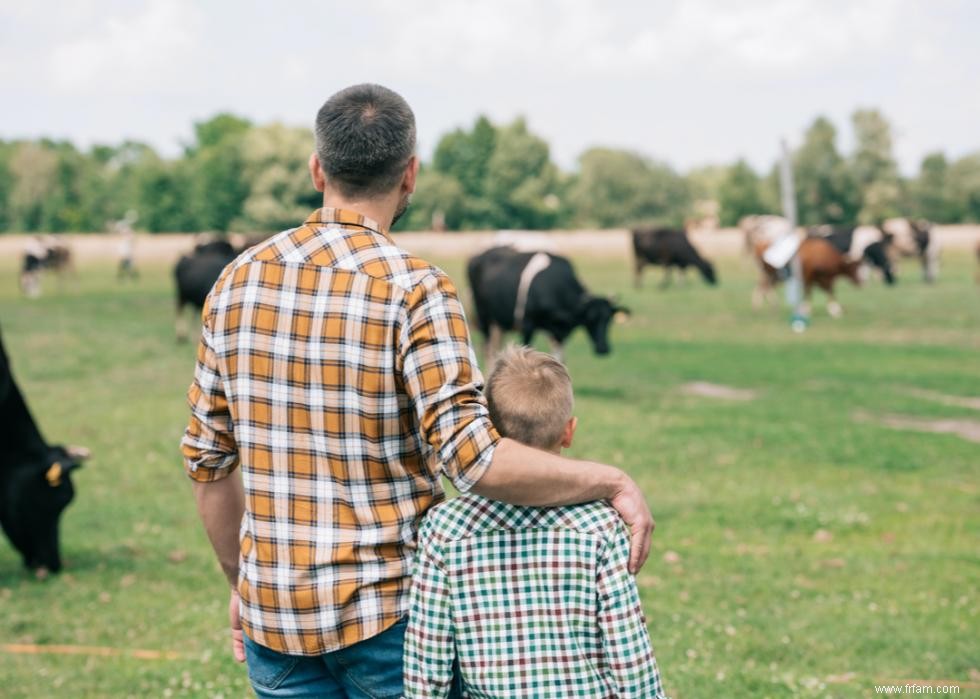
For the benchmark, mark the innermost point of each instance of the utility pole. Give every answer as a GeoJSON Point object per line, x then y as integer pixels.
{"type": "Point", "coordinates": [799, 319]}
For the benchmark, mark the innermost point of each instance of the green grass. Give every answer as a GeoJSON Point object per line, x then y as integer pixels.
{"type": "Point", "coordinates": [754, 605]}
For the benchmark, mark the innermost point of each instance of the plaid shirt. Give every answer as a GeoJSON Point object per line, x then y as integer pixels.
{"type": "Point", "coordinates": [337, 370]}
{"type": "Point", "coordinates": [534, 602]}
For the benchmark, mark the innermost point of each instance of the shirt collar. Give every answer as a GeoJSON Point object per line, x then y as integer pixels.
{"type": "Point", "coordinates": [345, 217]}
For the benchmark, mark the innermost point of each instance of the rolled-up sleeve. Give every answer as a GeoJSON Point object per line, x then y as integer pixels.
{"type": "Point", "coordinates": [209, 447]}
{"type": "Point", "coordinates": [441, 378]}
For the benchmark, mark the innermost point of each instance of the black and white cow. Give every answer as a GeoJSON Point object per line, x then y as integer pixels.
{"type": "Point", "coordinates": [530, 291]}
{"type": "Point", "coordinates": [866, 243]}
{"type": "Point", "coordinates": [44, 253]}
{"type": "Point", "coordinates": [669, 248]}
{"type": "Point", "coordinates": [916, 238]}
{"type": "Point", "coordinates": [35, 479]}
{"type": "Point", "coordinates": [195, 274]}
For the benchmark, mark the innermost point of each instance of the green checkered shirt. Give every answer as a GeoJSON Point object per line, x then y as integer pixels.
{"type": "Point", "coordinates": [535, 602]}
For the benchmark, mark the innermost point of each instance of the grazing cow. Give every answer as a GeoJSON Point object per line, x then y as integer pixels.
{"type": "Point", "coordinates": [866, 243]}
{"type": "Point", "coordinates": [35, 479]}
{"type": "Point", "coordinates": [195, 274]}
{"type": "Point", "coordinates": [669, 248]}
{"type": "Point", "coordinates": [528, 291]}
{"type": "Point", "coordinates": [916, 239]}
{"type": "Point", "coordinates": [820, 263]}
{"type": "Point", "coordinates": [762, 229]}
{"type": "Point", "coordinates": [43, 253]}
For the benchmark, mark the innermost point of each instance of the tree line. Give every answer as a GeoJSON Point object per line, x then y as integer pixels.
{"type": "Point", "coordinates": [237, 175]}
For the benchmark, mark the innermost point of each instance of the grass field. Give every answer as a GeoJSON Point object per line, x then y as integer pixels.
{"type": "Point", "coordinates": [799, 551]}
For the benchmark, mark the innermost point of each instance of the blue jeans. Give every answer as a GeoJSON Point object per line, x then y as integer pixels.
{"type": "Point", "coordinates": [371, 669]}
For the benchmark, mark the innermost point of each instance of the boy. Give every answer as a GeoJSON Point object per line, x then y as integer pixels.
{"type": "Point", "coordinates": [527, 602]}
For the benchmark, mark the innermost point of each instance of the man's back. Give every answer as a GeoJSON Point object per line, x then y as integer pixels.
{"type": "Point", "coordinates": [343, 366]}
{"type": "Point", "coordinates": [535, 602]}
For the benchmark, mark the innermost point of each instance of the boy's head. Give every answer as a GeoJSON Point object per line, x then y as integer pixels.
{"type": "Point", "coordinates": [530, 398]}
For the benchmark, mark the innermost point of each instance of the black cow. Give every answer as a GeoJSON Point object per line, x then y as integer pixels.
{"type": "Point", "coordinates": [35, 479]}
{"type": "Point", "coordinates": [530, 291]}
{"type": "Point", "coordinates": [669, 248]}
{"type": "Point", "coordinates": [196, 273]}
{"type": "Point", "coordinates": [865, 243]}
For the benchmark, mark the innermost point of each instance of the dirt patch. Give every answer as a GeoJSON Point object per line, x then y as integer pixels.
{"type": "Point", "coordinates": [717, 390]}
{"type": "Point", "coordinates": [964, 429]}
{"type": "Point", "coordinates": [973, 403]}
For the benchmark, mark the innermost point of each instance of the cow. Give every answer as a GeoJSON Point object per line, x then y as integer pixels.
{"type": "Point", "coordinates": [43, 253]}
{"type": "Point", "coordinates": [669, 248]}
{"type": "Point", "coordinates": [35, 479]}
{"type": "Point", "coordinates": [869, 244]}
{"type": "Point", "coordinates": [195, 274]}
{"type": "Point", "coordinates": [820, 264]}
{"type": "Point", "coordinates": [916, 238]}
{"type": "Point", "coordinates": [530, 291]}
{"type": "Point", "coordinates": [762, 229]}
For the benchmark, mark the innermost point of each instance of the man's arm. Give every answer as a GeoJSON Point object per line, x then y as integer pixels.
{"type": "Point", "coordinates": [521, 475]}
{"type": "Point", "coordinates": [625, 641]}
{"type": "Point", "coordinates": [221, 505]}
{"type": "Point", "coordinates": [440, 375]}
{"type": "Point", "coordinates": [210, 459]}
{"type": "Point", "coordinates": [429, 643]}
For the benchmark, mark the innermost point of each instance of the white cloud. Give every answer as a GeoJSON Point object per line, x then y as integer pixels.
{"type": "Point", "coordinates": [595, 37]}
{"type": "Point", "coordinates": [152, 48]}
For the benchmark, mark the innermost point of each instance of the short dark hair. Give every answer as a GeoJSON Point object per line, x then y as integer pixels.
{"type": "Point", "coordinates": [365, 135]}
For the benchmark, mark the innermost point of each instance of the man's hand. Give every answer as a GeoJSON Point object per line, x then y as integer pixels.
{"type": "Point", "coordinates": [632, 507]}
{"type": "Point", "coordinates": [522, 475]}
{"type": "Point", "coordinates": [237, 642]}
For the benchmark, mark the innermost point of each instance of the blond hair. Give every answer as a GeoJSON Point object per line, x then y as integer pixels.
{"type": "Point", "coordinates": [530, 397]}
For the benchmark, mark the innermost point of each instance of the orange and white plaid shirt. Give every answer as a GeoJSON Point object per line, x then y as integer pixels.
{"type": "Point", "coordinates": [337, 370]}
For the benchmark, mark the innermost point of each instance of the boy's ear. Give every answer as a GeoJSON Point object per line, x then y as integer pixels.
{"type": "Point", "coordinates": [569, 433]}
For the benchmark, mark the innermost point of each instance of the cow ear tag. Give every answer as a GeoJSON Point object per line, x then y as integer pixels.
{"type": "Point", "coordinates": [620, 317]}
{"type": "Point", "coordinates": [53, 475]}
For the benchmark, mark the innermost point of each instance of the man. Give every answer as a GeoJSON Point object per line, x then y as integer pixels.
{"type": "Point", "coordinates": [336, 370]}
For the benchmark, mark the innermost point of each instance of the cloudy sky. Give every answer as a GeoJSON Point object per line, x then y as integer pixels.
{"type": "Point", "coordinates": [687, 81]}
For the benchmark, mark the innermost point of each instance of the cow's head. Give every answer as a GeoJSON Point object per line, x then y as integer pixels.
{"type": "Point", "coordinates": [921, 230]}
{"type": "Point", "coordinates": [40, 493]}
{"type": "Point", "coordinates": [595, 315]}
{"type": "Point", "coordinates": [877, 255]}
{"type": "Point", "coordinates": [708, 271]}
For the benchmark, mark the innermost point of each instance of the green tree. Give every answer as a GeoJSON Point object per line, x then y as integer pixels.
{"type": "Point", "coordinates": [825, 190]}
{"type": "Point", "coordinates": [435, 192]}
{"type": "Point", "coordinates": [164, 195]}
{"type": "Point", "coordinates": [873, 166]}
{"type": "Point", "coordinates": [964, 187]}
{"type": "Point", "coordinates": [931, 199]}
{"type": "Point", "coordinates": [466, 155]}
{"type": "Point", "coordinates": [34, 170]}
{"type": "Point", "coordinates": [621, 188]}
{"type": "Point", "coordinates": [740, 194]}
{"type": "Point", "coordinates": [275, 166]}
{"type": "Point", "coordinates": [7, 183]}
{"type": "Point", "coordinates": [521, 181]}
{"type": "Point", "coordinates": [219, 187]}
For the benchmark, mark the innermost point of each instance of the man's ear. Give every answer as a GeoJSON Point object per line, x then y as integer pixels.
{"type": "Point", "coordinates": [569, 433]}
{"type": "Point", "coordinates": [316, 173]}
{"type": "Point", "coordinates": [411, 175]}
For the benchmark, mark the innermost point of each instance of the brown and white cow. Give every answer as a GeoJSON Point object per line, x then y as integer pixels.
{"type": "Point", "coordinates": [820, 263]}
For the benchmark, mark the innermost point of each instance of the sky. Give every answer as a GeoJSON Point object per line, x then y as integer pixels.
{"type": "Point", "coordinates": [689, 82]}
